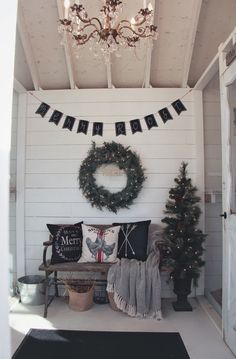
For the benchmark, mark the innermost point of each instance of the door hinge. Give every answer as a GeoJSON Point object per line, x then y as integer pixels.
{"type": "Point", "coordinates": [224, 215]}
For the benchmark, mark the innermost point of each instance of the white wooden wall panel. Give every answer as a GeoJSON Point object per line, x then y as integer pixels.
{"type": "Point", "coordinates": [154, 136]}
{"type": "Point", "coordinates": [54, 155]}
{"type": "Point", "coordinates": [12, 207]}
{"type": "Point", "coordinates": [69, 180]}
{"type": "Point", "coordinates": [212, 134]}
{"type": "Point", "coordinates": [167, 165]}
{"type": "Point", "coordinates": [43, 126]}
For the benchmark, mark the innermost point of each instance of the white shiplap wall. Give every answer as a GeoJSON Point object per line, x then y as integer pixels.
{"type": "Point", "coordinates": [213, 179]}
{"type": "Point", "coordinates": [54, 155]}
{"type": "Point", "coordinates": [12, 198]}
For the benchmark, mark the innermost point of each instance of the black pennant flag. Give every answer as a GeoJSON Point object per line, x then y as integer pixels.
{"type": "Point", "coordinates": [83, 126]}
{"type": "Point", "coordinates": [69, 122]}
{"type": "Point", "coordinates": [135, 126]}
{"type": "Point", "coordinates": [120, 128]}
{"type": "Point", "coordinates": [150, 121]}
{"type": "Point", "coordinates": [43, 109]}
{"type": "Point", "coordinates": [165, 114]}
{"type": "Point", "coordinates": [178, 106]}
{"type": "Point", "coordinates": [56, 116]}
{"type": "Point", "coordinates": [97, 128]}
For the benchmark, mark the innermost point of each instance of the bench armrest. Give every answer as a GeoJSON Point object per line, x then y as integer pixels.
{"type": "Point", "coordinates": [46, 245]}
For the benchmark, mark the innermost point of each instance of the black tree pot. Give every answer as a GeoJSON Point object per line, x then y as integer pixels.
{"type": "Point", "coordinates": [182, 288]}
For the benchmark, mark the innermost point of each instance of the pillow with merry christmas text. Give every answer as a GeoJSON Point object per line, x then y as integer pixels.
{"type": "Point", "coordinates": [67, 242]}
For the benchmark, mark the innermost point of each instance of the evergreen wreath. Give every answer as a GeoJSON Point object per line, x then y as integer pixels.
{"type": "Point", "coordinates": [126, 160]}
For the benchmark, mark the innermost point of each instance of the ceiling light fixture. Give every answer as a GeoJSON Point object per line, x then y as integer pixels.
{"type": "Point", "coordinates": [107, 31]}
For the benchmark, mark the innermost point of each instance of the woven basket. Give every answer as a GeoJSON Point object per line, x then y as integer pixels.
{"type": "Point", "coordinates": [112, 302]}
{"type": "Point", "coordinates": [81, 300]}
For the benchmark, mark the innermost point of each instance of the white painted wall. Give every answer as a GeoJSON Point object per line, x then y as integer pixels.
{"type": "Point", "coordinates": [7, 26]}
{"type": "Point", "coordinates": [213, 183]}
{"type": "Point", "coordinates": [54, 155]}
{"type": "Point", "coordinates": [12, 198]}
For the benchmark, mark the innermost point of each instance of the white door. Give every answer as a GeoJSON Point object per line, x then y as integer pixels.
{"type": "Point", "coordinates": [228, 128]}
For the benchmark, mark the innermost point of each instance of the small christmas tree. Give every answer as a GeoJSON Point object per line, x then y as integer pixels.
{"type": "Point", "coordinates": [182, 248]}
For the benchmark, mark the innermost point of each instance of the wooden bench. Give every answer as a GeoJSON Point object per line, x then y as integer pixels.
{"type": "Point", "coordinates": [53, 269]}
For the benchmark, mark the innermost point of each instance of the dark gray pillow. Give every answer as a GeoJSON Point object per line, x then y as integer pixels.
{"type": "Point", "coordinates": [133, 239]}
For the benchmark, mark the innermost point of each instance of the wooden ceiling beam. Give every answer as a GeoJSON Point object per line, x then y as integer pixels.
{"type": "Point", "coordinates": [148, 64]}
{"type": "Point", "coordinates": [149, 57]}
{"type": "Point", "coordinates": [67, 49]}
{"type": "Point", "coordinates": [18, 87]}
{"type": "Point", "coordinates": [109, 73]}
{"type": "Point", "coordinates": [208, 74]}
{"type": "Point", "coordinates": [197, 4]}
{"type": "Point", "coordinates": [27, 48]}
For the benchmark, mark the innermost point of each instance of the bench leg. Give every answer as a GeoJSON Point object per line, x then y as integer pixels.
{"type": "Point", "coordinates": [47, 285]}
{"type": "Point", "coordinates": [55, 284]}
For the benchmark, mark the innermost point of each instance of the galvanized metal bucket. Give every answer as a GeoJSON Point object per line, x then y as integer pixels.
{"type": "Point", "coordinates": [31, 289]}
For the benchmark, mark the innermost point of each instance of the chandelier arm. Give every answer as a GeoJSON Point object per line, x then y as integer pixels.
{"type": "Point", "coordinates": [88, 25]}
{"type": "Point", "coordinates": [141, 34]}
{"type": "Point", "coordinates": [136, 23]}
{"type": "Point", "coordinates": [99, 22]}
{"type": "Point", "coordinates": [80, 42]}
{"type": "Point", "coordinates": [89, 20]}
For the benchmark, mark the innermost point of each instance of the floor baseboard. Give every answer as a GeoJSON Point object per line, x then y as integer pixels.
{"type": "Point", "coordinates": [211, 312]}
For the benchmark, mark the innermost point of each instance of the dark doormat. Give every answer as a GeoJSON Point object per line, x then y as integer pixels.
{"type": "Point", "coordinates": [69, 344]}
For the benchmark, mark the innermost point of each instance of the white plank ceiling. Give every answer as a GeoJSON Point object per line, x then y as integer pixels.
{"type": "Point", "coordinates": [190, 32]}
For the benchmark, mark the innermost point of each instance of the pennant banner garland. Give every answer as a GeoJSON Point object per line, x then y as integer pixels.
{"type": "Point", "coordinates": [150, 121]}
{"type": "Point", "coordinates": [56, 116]}
{"type": "Point", "coordinates": [165, 114]}
{"type": "Point", "coordinates": [83, 127]}
{"type": "Point", "coordinates": [97, 128]}
{"type": "Point", "coordinates": [178, 106]}
{"type": "Point", "coordinates": [43, 109]}
{"type": "Point", "coordinates": [69, 122]}
{"type": "Point", "coordinates": [135, 126]}
{"type": "Point", "coordinates": [120, 127]}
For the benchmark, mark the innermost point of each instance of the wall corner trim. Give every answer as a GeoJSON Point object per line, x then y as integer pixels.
{"type": "Point", "coordinates": [20, 186]}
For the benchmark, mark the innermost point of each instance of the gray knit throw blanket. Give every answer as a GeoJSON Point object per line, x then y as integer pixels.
{"type": "Point", "coordinates": [137, 285]}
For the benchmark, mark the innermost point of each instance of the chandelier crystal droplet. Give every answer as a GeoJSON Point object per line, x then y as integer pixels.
{"type": "Point", "coordinates": [107, 31]}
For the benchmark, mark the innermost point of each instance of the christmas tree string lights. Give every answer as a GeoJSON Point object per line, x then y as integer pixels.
{"type": "Point", "coordinates": [183, 249]}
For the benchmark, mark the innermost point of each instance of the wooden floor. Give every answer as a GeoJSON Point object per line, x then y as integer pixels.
{"type": "Point", "coordinates": [199, 334]}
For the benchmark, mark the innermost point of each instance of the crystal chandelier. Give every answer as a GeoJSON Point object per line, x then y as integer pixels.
{"type": "Point", "coordinates": [107, 31]}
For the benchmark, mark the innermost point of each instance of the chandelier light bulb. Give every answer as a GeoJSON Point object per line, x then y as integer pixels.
{"type": "Point", "coordinates": [66, 4]}
{"type": "Point", "coordinates": [132, 21]}
{"type": "Point", "coordinates": [150, 8]}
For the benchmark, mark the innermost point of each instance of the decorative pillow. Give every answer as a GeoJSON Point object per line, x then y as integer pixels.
{"type": "Point", "coordinates": [133, 238]}
{"type": "Point", "coordinates": [67, 242]}
{"type": "Point", "coordinates": [99, 245]}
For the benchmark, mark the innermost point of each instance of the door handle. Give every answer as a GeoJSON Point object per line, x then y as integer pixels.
{"type": "Point", "coordinates": [224, 215]}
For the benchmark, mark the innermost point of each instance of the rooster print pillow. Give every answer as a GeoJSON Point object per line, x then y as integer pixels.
{"type": "Point", "coordinates": [99, 245]}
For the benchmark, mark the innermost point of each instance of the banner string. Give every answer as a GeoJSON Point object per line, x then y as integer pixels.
{"type": "Point", "coordinates": [109, 123]}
